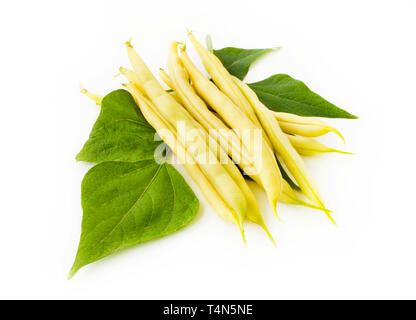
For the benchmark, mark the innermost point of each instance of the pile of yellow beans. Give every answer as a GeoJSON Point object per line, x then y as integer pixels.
{"type": "Point", "coordinates": [213, 125]}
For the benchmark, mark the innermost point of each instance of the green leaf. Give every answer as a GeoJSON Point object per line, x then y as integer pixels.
{"type": "Point", "coordinates": [238, 61]}
{"type": "Point", "coordinates": [282, 93]}
{"type": "Point", "coordinates": [120, 132]}
{"type": "Point", "coordinates": [128, 203]}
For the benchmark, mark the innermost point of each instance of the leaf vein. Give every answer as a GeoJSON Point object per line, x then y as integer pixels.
{"type": "Point", "coordinates": [132, 207]}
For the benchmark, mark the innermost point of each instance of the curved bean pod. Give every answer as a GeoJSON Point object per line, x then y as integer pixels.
{"type": "Point", "coordinates": [196, 145]}
{"type": "Point", "coordinates": [179, 82]}
{"type": "Point", "coordinates": [289, 196]}
{"type": "Point", "coordinates": [308, 147]}
{"type": "Point", "coordinates": [222, 79]}
{"type": "Point", "coordinates": [269, 175]}
{"type": "Point", "coordinates": [304, 126]}
{"type": "Point", "coordinates": [167, 133]}
{"type": "Point", "coordinates": [282, 145]}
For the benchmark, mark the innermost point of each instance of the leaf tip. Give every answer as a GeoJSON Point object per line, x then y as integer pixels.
{"type": "Point", "coordinates": [79, 157]}
{"type": "Point", "coordinates": [72, 272]}
{"type": "Point", "coordinates": [349, 115]}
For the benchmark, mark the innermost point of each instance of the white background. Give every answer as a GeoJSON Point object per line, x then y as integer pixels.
{"type": "Point", "coordinates": [360, 55]}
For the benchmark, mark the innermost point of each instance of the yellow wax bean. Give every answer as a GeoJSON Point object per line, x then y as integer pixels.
{"type": "Point", "coordinates": [132, 77]}
{"type": "Point", "coordinates": [222, 79]}
{"type": "Point", "coordinates": [282, 145]}
{"type": "Point", "coordinates": [196, 144]}
{"type": "Point", "coordinates": [167, 133]}
{"type": "Point", "coordinates": [94, 97]}
{"type": "Point", "coordinates": [269, 175]}
{"type": "Point", "coordinates": [166, 79]}
{"type": "Point", "coordinates": [304, 126]}
{"type": "Point", "coordinates": [179, 82]}
{"type": "Point", "coordinates": [226, 137]}
{"type": "Point", "coordinates": [308, 147]}
{"type": "Point", "coordinates": [253, 212]}
{"type": "Point", "coordinates": [176, 97]}
{"type": "Point", "coordinates": [198, 109]}
{"type": "Point", "coordinates": [289, 196]}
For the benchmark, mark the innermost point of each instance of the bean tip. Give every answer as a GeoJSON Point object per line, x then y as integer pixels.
{"type": "Point", "coordinates": [244, 238]}
{"type": "Point", "coordinates": [275, 213]}
{"type": "Point", "coordinates": [128, 43]}
{"type": "Point", "coordinates": [342, 152]}
{"type": "Point", "coordinates": [182, 47]}
{"type": "Point", "coordinates": [337, 133]}
{"type": "Point", "coordinates": [328, 214]}
{"type": "Point", "coordinates": [82, 89]}
{"type": "Point", "coordinates": [269, 234]}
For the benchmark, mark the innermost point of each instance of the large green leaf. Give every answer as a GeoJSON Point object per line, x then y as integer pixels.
{"type": "Point", "coordinates": [127, 203]}
{"type": "Point", "coordinates": [282, 93]}
{"type": "Point", "coordinates": [120, 132]}
{"type": "Point", "coordinates": [238, 61]}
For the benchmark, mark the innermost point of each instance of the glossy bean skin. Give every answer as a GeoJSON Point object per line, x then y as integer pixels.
{"type": "Point", "coordinates": [178, 80]}
{"type": "Point", "coordinates": [269, 176]}
{"type": "Point", "coordinates": [167, 133]}
{"type": "Point", "coordinates": [196, 144]}
{"type": "Point", "coordinates": [282, 146]}
{"type": "Point", "coordinates": [304, 126]}
{"type": "Point", "coordinates": [309, 147]}
{"type": "Point", "coordinates": [222, 79]}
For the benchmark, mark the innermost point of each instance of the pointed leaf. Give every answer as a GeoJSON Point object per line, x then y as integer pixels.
{"type": "Point", "coordinates": [128, 203]}
{"type": "Point", "coordinates": [120, 132]}
{"type": "Point", "coordinates": [282, 93]}
{"type": "Point", "coordinates": [238, 61]}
